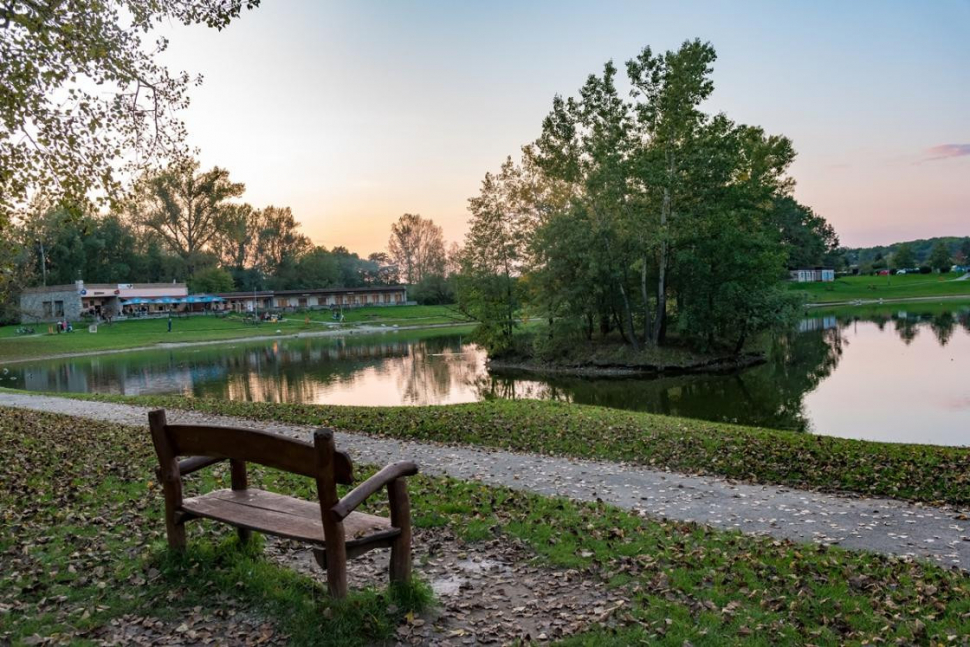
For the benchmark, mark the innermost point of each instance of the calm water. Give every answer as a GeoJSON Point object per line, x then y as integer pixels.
{"type": "Point", "coordinates": [899, 375]}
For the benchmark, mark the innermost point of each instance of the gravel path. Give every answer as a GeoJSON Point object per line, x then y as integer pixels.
{"type": "Point", "coordinates": [884, 525]}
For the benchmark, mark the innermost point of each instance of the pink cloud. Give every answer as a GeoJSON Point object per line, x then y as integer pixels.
{"type": "Point", "coordinates": [946, 151]}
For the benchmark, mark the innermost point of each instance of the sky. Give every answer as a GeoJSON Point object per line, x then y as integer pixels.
{"type": "Point", "coordinates": [353, 113]}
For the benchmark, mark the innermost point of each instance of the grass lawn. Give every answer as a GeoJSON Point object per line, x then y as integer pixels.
{"type": "Point", "coordinates": [81, 546]}
{"type": "Point", "coordinates": [915, 472]}
{"type": "Point", "coordinates": [139, 333]}
{"type": "Point", "coordinates": [392, 315]}
{"type": "Point", "coordinates": [849, 288]}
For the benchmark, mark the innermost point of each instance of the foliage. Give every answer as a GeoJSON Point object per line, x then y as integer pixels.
{"type": "Point", "coordinates": [904, 257]}
{"type": "Point", "coordinates": [211, 281]}
{"type": "Point", "coordinates": [433, 290]}
{"type": "Point", "coordinates": [940, 258]}
{"type": "Point", "coordinates": [489, 285]}
{"type": "Point", "coordinates": [417, 246]}
{"type": "Point", "coordinates": [921, 248]}
{"type": "Point", "coordinates": [625, 213]}
{"type": "Point", "coordinates": [914, 472]}
{"type": "Point", "coordinates": [807, 237]}
{"type": "Point", "coordinates": [237, 238]}
{"type": "Point", "coordinates": [85, 99]}
{"type": "Point", "coordinates": [279, 244]}
{"type": "Point", "coordinates": [185, 208]}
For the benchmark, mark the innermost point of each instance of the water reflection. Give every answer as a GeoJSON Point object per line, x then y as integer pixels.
{"type": "Point", "coordinates": [887, 373]}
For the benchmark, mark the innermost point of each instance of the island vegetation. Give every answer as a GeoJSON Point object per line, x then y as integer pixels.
{"type": "Point", "coordinates": [644, 223]}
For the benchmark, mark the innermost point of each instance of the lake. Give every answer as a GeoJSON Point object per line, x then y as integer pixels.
{"type": "Point", "coordinates": [896, 373]}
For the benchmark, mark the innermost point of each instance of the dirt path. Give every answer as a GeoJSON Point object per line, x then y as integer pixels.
{"type": "Point", "coordinates": [884, 525]}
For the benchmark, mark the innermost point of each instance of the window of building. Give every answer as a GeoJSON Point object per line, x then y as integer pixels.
{"type": "Point", "coordinates": [303, 302]}
{"type": "Point", "coordinates": [58, 308]}
{"type": "Point", "coordinates": [47, 309]}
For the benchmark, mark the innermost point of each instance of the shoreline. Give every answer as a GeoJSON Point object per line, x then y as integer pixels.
{"type": "Point", "coordinates": [363, 330]}
{"type": "Point", "coordinates": [712, 366]}
{"type": "Point", "coordinates": [875, 302]}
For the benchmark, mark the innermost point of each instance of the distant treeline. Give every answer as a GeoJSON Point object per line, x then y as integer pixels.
{"type": "Point", "coordinates": [184, 224]}
{"type": "Point", "coordinates": [958, 248]}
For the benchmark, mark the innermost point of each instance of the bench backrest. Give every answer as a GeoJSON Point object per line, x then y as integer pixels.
{"type": "Point", "coordinates": [249, 445]}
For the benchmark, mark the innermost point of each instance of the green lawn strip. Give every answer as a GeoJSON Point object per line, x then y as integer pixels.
{"type": "Point", "coordinates": [926, 473]}
{"type": "Point", "coordinates": [684, 582]}
{"type": "Point", "coordinates": [136, 334]}
{"type": "Point", "coordinates": [391, 315]}
{"type": "Point", "coordinates": [151, 332]}
{"type": "Point", "coordinates": [883, 287]}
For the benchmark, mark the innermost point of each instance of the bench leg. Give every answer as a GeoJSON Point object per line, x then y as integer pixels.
{"type": "Point", "coordinates": [237, 472]}
{"type": "Point", "coordinates": [337, 569]}
{"type": "Point", "coordinates": [175, 530]}
{"type": "Point", "coordinates": [400, 568]}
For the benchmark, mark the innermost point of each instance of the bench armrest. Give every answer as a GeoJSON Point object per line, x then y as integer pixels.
{"type": "Point", "coordinates": [357, 496]}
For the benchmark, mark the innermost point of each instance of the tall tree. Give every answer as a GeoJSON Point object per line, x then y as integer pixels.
{"type": "Point", "coordinates": [279, 241]}
{"type": "Point", "coordinates": [185, 208]}
{"type": "Point", "coordinates": [940, 257]}
{"type": "Point", "coordinates": [587, 143]}
{"type": "Point", "coordinates": [904, 257]}
{"type": "Point", "coordinates": [238, 236]}
{"type": "Point", "coordinates": [807, 237]}
{"type": "Point", "coordinates": [965, 250]}
{"type": "Point", "coordinates": [670, 88]}
{"type": "Point", "coordinates": [494, 255]}
{"type": "Point", "coordinates": [417, 246]}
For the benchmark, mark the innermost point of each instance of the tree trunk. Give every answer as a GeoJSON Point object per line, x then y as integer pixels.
{"type": "Point", "coordinates": [660, 322]}
{"type": "Point", "coordinates": [604, 325]}
{"type": "Point", "coordinates": [629, 319]}
{"type": "Point", "coordinates": [644, 293]}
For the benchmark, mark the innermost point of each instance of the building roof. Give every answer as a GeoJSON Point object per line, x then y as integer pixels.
{"type": "Point", "coordinates": [73, 287]}
{"type": "Point", "coordinates": [309, 291]}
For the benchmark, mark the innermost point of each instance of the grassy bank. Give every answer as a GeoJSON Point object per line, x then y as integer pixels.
{"type": "Point", "coordinates": [151, 332]}
{"type": "Point", "coordinates": [914, 472]}
{"type": "Point", "coordinates": [393, 315]}
{"type": "Point", "coordinates": [77, 559]}
{"type": "Point", "coordinates": [850, 288]}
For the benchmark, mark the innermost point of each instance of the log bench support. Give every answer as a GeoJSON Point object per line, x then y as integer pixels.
{"type": "Point", "coordinates": [334, 529]}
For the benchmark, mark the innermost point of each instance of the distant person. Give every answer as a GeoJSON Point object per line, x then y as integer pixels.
{"type": "Point", "coordinates": [170, 322]}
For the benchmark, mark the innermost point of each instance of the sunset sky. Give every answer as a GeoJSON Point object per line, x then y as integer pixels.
{"type": "Point", "coordinates": [353, 113]}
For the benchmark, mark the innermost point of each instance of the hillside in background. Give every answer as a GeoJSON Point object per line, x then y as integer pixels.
{"type": "Point", "coordinates": [921, 248]}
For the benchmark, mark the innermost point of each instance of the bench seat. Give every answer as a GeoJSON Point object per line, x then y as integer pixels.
{"type": "Point", "coordinates": [283, 516]}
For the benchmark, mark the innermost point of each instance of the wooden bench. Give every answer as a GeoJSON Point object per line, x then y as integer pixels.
{"type": "Point", "coordinates": [331, 526]}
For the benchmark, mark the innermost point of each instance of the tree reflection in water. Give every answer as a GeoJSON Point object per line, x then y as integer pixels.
{"type": "Point", "coordinates": [438, 368]}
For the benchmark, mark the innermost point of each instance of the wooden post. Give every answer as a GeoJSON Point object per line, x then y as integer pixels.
{"type": "Point", "coordinates": [170, 478]}
{"type": "Point", "coordinates": [240, 482]}
{"type": "Point", "coordinates": [397, 494]}
{"type": "Point", "coordinates": [333, 530]}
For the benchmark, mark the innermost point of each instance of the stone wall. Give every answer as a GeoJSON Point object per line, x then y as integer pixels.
{"type": "Point", "coordinates": [32, 308]}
